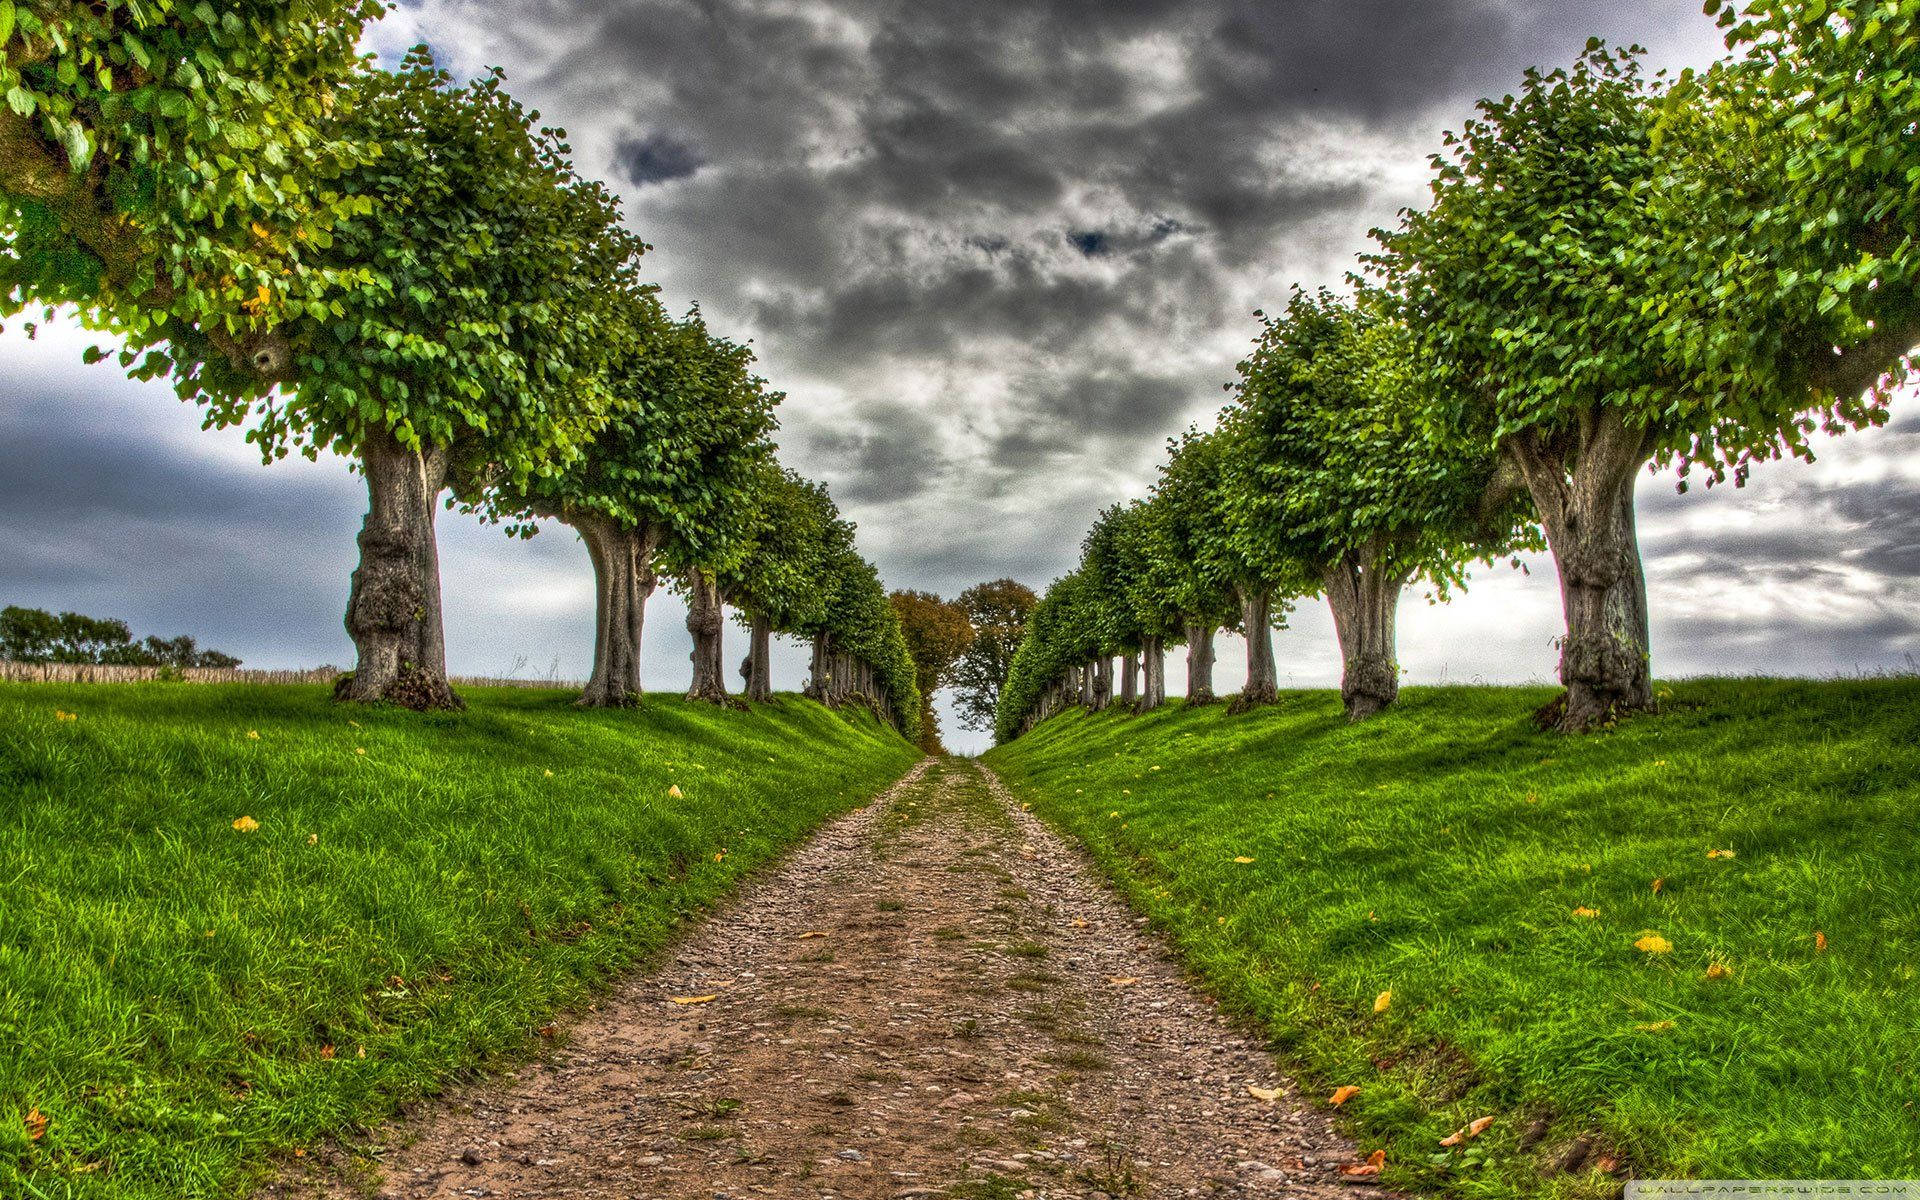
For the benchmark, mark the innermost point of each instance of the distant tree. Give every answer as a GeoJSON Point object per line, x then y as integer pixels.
{"type": "Point", "coordinates": [998, 612]}
{"type": "Point", "coordinates": [34, 635]}
{"type": "Point", "coordinates": [1106, 564]}
{"type": "Point", "coordinates": [938, 632]}
{"type": "Point", "coordinates": [776, 589]}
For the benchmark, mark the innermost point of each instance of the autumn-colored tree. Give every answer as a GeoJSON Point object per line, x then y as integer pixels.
{"type": "Point", "coordinates": [998, 611]}
{"type": "Point", "coordinates": [938, 632]}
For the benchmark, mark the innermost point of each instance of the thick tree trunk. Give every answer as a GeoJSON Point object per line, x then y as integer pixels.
{"type": "Point", "coordinates": [623, 580]}
{"type": "Point", "coordinates": [1102, 683]}
{"type": "Point", "coordinates": [1583, 491]}
{"type": "Point", "coordinates": [1256, 618]}
{"type": "Point", "coordinates": [1153, 661]}
{"type": "Point", "coordinates": [1200, 664]}
{"type": "Point", "coordinates": [817, 669]}
{"type": "Point", "coordinates": [1364, 593]}
{"type": "Point", "coordinates": [393, 610]}
{"type": "Point", "coordinates": [1130, 681]}
{"type": "Point", "coordinates": [706, 622]}
{"type": "Point", "coordinates": [759, 668]}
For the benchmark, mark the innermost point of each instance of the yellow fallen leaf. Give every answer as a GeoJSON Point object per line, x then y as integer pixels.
{"type": "Point", "coordinates": [1382, 1001]}
{"type": "Point", "coordinates": [1478, 1126]}
{"type": "Point", "coordinates": [676, 793]}
{"type": "Point", "coordinates": [1343, 1094]}
{"type": "Point", "coordinates": [718, 855]}
{"type": "Point", "coordinates": [696, 999]}
{"type": "Point", "coordinates": [549, 773]}
{"type": "Point", "coordinates": [811, 933]}
{"type": "Point", "coordinates": [36, 1124]}
{"type": "Point", "coordinates": [1657, 883]}
{"type": "Point", "coordinates": [1455, 1138]}
{"type": "Point", "coordinates": [245, 824]}
{"type": "Point", "coordinates": [253, 735]}
{"type": "Point", "coordinates": [359, 749]}
{"type": "Point", "coordinates": [313, 839]}
{"type": "Point", "coordinates": [1655, 1027]}
{"type": "Point", "coordinates": [355, 724]}
{"type": "Point", "coordinates": [1819, 942]}
{"type": "Point", "coordinates": [1653, 943]}
{"type": "Point", "coordinates": [1241, 858]}
{"type": "Point", "coordinates": [1717, 971]}
{"type": "Point", "coordinates": [1260, 1093]}
{"type": "Point", "coordinates": [65, 716]}
{"type": "Point", "coordinates": [1719, 854]}
{"type": "Point", "coordinates": [1123, 980]}
{"type": "Point", "coordinates": [1584, 911]}
{"type": "Point", "coordinates": [1079, 923]}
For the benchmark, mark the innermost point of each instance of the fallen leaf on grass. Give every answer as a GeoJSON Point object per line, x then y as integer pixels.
{"type": "Point", "coordinates": [1241, 858]}
{"type": "Point", "coordinates": [326, 1052]}
{"type": "Point", "coordinates": [1123, 980]}
{"type": "Point", "coordinates": [811, 933]}
{"type": "Point", "coordinates": [1655, 1027]}
{"type": "Point", "coordinates": [676, 793]}
{"type": "Point", "coordinates": [253, 735]}
{"type": "Point", "coordinates": [1653, 943]}
{"type": "Point", "coordinates": [1717, 971]}
{"type": "Point", "coordinates": [1367, 1169]}
{"type": "Point", "coordinates": [718, 855]}
{"type": "Point", "coordinates": [1079, 923]}
{"type": "Point", "coordinates": [545, 1031]}
{"type": "Point", "coordinates": [1656, 885]}
{"type": "Point", "coordinates": [1819, 942]}
{"type": "Point", "coordinates": [1455, 1138]}
{"type": "Point", "coordinates": [1343, 1094]}
{"type": "Point", "coordinates": [1260, 1093]}
{"type": "Point", "coordinates": [36, 1125]}
{"type": "Point", "coordinates": [1478, 1126]}
{"type": "Point", "coordinates": [1382, 1001]}
{"type": "Point", "coordinates": [1719, 854]}
{"type": "Point", "coordinates": [245, 824]}
{"type": "Point", "coordinates": [695, 999]}
{"type": "Point", "coordinates": [313, 839]}
{"type": "Point", "coordinates": [65, 716]}
{"type": "Point", "coordinates": [1584, 911]}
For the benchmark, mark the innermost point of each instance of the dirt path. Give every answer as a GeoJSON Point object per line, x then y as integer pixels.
{"type": "Point", "coordinates": [933, 997]}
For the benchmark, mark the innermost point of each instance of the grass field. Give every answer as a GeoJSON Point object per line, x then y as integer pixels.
{"type": "Point", "coordinates": [181, 998]}
{"type": "Point", "coordinates": [1506, 887]}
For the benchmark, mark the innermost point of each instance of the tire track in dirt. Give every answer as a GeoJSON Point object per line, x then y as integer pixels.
{"type": "Point", "coordinates": [932, 997]}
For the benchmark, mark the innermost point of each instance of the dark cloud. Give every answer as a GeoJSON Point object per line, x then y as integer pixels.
{"type": "Point", "coordinates": [655, 158]}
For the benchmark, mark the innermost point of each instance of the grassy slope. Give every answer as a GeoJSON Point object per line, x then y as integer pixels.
{"type": "Point", "coordinates": [180, 998]}
{"type": "Point", "coordinates": [1439, 852]}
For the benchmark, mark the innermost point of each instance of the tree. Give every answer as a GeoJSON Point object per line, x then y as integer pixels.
{"type": "Point", "coordinates": [473, 359]}
{"type": "Point", "coordinates": [1106, 561]}
{"type": "Point", "coordinates": [1349, 484]}
{"type": "Point", "coordinates": [34, 635]}
{"type": "Point", "coordinates": [859, 649]}
{"type": "Point", "coordinates": [672, 467]}
{"type": "Point", "coordinates": [937, 633]}
{"type": "Point", "coordinates": [1539, 305]}
{"type": "Point", "coordinates": [998, 611]}
{"type": "Point", "coordinates": [777, 588]}
{"type": "Point", "coordinates": [1184, 553]}
{"type": "Point", "coordinates": [163, 163]}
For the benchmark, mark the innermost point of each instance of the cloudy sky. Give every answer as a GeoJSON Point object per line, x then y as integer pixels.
{"type": "Point", "coordinates": [995, 252]}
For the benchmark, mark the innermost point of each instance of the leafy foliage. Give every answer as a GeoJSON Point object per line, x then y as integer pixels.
{"type": "Point", "coordinates": [937, 632]}
{"type": "Point", "coordinates": [998, 611]}
{"type": "Point", "coordinates": [34, 635]}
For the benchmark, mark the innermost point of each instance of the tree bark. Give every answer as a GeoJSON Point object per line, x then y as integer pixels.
{"type": "Point", "coordinates": [1200, 664]}
{"type": "Point", "coordinates": [1256, 618]}
{"type": "Point", "coordinates": [1130, 681]}
{"type": "Point", "coordinates": [1102, 684]}
{"type": "Point", "coordinates": [706, 622]}
{"type": "Point", "coordinates": [623, 580]}
{"type": "Point", "coordinates": [393, 610]}
{"type": "Point", "coordinates": [1153, 662]}
{"type": "Point", "coordinates": [1582, 488]}
{"type": "Point", "coordinates": [1364, 593]}
{"type": "Point", "coordinates": [760, 660]}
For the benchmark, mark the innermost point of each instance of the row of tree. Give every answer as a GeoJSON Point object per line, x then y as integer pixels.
{"type": "Point", "coordinates": [1616, 274]}
{"type": "Point", "coordinates": [408, 270]}
{"type": "Point", "coordinates": [34, 635]}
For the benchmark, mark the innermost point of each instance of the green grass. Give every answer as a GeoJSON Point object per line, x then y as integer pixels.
{"type": "Point", "coordinates": [1440, 851]}
{"type": "Point", "coordinates": [181, 999]}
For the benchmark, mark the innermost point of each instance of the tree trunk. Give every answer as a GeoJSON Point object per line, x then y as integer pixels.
{"type": "Point", "coordinates": [1583, 491]}
{"type": "Point", "coordinates": [393, 610]}
{"type": "Point", "coordinates": [1364, 594]}
{"type": "Point", "coordinates": [759, 669]}
{"type": "Point", "coordinates": [623, 580]}
{"type": "Point", "coordinates": [1153, 661]}
{"type": "Point", "coordinates": [706, 622]}
{"type": "Point", "coordinates": [1130, 681]}
{"type": "Point", "coordinates": [1200, 664]}
{"type": "Point", "coordinates": [1102, 683]}
{"type": "Point", "coordinates": [817, 669]}
{"type": "Point", "coordinates": [1256, 618]}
